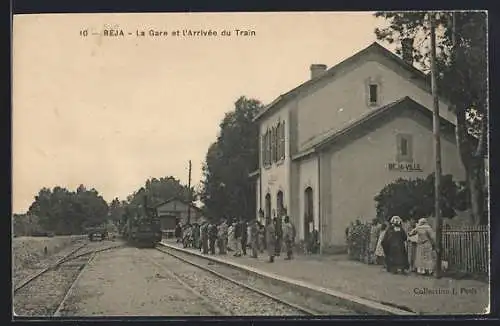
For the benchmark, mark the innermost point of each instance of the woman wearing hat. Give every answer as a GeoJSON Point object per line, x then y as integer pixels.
{"type": "Point", "coordinates": [394, 246]}
{"type": "Point", "coordinates": [424, 262]}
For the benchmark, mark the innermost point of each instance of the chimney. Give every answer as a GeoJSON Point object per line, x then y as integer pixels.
{"type": "Point", "coordinates": [407, 50]}
{"type": "Point", "coordinates": [317, 70]}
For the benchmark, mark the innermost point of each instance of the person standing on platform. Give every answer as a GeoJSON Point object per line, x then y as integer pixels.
{"type": "Point", "coordinates": [271, 239]}
{"type": "Point", "coordinates": [237, 238]}
{"type": "Point", "coordinates": [244, 237]}
{"type": "Point", "coordinates": [262, 238]}
{"type": "Point", "coordinates": [223, 233]}
{"type": "Point", "coordinates": [204, 237]}
{"type": "Point", "coordinates": [230, 236]}
{"type": "Point", "coordinates": [212, 237]}
{"type": "Point", "coordinates": [187, 236]}
{"type": "Point", "coordinates": [372, 245]}
{"type": "Point", "coordinates": [425, 246]}
{"type": "Point", "coordinates": [394, 244]}
{"type": "Point", "coordinates": [254, 238]}
{"type": "Point", "coordinates": [379, 251]}
{"type": "Point", "coordinates": [219, 237]}
{"type": "Point", "coordinates": [196, 235]}
{"type": "Point", "coordinates": [279, 235]}
{"type": "Point", "coordinates": [288, 237]}
{"type": "Point", "coordinates": [178, 233]}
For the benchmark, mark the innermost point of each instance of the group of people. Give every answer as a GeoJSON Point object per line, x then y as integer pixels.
{"type": "Point", "coordinates": [237, 236]}
{"type": "Point", "coordinates": [402, 251]}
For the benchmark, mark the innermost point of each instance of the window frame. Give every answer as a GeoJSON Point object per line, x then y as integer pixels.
{"type": "Point", "coordinates": [375, 87]}
{"type": "Point", "coordinates": [408, 157]}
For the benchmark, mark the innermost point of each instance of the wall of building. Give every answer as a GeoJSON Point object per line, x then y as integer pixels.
{"type": "Point", "coordinates": [358, 169]}
{"type": "Point", "coordinates": [336, 102]}
{"type": "Point", "coordinates": [308, 176]}
{"type": "Point", "coordinates": [180, 210]}
{"type": "Point", "coordinates": [276, 177]}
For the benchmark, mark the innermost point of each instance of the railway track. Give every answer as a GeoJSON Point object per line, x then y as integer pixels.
{"type": "Point", "coordinates": [60, 261]}
{"type": "Point", "coordinates": [41, 293]}
{"type": "Point", "coordinates": [291, 307]}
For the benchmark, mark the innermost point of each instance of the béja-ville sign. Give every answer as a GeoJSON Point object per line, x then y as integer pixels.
{"type": "Point", "coordinates": [404, 167]}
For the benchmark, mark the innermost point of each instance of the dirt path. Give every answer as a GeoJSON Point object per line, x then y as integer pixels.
{"type": "Point", "coordinates": [125, 283]}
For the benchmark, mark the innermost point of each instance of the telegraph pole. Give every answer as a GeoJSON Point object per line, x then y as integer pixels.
{"type": "Point", "coordinates": [437, 148]}
{"type": "Point", "coordinates": [189, 193]}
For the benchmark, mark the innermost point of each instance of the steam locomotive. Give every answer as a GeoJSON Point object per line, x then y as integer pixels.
{"type": "Point", "coordinates": [144, 230]}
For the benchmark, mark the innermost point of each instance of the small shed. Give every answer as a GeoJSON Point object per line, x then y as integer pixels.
{"type": "Point", "coordinates": [176, 210]}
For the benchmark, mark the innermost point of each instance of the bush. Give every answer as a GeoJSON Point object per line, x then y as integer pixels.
{"type": "Point", "coordinates": [358, 236]}
{"type": "Point", "coordinates": [415, 198]}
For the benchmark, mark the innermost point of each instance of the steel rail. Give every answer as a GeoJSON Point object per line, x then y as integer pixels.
{"type": "Point", "coordinates": [92, 251]}
{"type": "Point", "coordinates": [46, 269]}
{"type": "Point", "coordinates": [57, 313]}
{"type": "Point", "coordinates": [61, 261]}
{"type": "Point", "coordinates": [251, 288]}
{"type": "Point", "coordinates": [220, 310]}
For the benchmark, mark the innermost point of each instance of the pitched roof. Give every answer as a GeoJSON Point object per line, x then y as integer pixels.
{"type": "Point", "coordinates": [421, 78]}
{"type": "Point", "coordinates": [332, 136]}
{"type": "Point", "coordinates": [179, 200]}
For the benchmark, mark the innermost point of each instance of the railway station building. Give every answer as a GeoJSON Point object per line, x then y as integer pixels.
{"type": "Point", "coordinates": [174, 211]}
{"type": "Point", "coordinates": [328, 146]}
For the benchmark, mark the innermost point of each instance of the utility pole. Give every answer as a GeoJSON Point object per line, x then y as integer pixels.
{"type": "Point", "coordinates": [437, 148]}
{"type": "Point", "coordinates": [189, 193]}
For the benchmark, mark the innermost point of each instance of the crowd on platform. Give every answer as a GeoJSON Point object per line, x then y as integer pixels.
{"type": "Point", "coordinates": [400, 248]}
{"type": "Point", "coordinates": [238, 235]}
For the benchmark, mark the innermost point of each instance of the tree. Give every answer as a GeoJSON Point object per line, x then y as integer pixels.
{"type": "Point", "coordinates": [226, 190]}
{"type": "Point", "coordinates": [156, 192]}
{"type": "Point", "coordinates": [116, 210]}
{"type": "Point", "coordinates": [462, 78]}
{"type": "Point", "coordinates": [414, 198]}
{"type": "Point", "coordinates": [64, 212]}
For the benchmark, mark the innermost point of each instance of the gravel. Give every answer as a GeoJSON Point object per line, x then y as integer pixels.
{"type": "Point", "coordinates": [233, 298]}
{"type": "Point", "coordinates": [28, 255]}
{"type": "Point", "coordinates": [318, 304]}
{"type": "Point", "coordinates": [124, 282]}
{"type": "Point", "coordinates": [42, 296]}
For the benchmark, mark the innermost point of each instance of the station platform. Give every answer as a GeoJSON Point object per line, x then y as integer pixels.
{"type": "Point", "coordinates": [367, 285]}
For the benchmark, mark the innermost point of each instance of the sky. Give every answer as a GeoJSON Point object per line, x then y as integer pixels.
{"type": "Point", "coordinates": [111, 112]}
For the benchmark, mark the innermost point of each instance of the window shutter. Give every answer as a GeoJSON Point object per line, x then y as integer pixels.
{"type": "Point", "coordinates": [263, 149]}
{"type": "Point", "coordinates": [274, 145]}
{"type": "Point", "coordinates": [283, 141]}
{"type": "Point", "coordinates": [268, 147]}
{"type": "Point", "coordinates": [278, 142]}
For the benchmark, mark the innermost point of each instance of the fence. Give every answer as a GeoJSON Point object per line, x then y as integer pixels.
{"type": "Point", "coordinates": [465, 248]}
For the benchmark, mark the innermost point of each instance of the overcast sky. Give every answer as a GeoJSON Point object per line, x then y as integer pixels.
{"type": "Point", "coordinates": [111, 112]}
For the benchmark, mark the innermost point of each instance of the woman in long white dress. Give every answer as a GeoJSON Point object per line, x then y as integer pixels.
{"type": "Point", "coordinates": [424, 262]}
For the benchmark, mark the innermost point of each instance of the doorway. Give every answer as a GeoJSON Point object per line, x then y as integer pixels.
{"type": "Point", "coordinates": [308, 213]}
{"type": "Point", "coordinates": [279, 203]}
{"type": "Point", "coordinates": [268, 207]}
